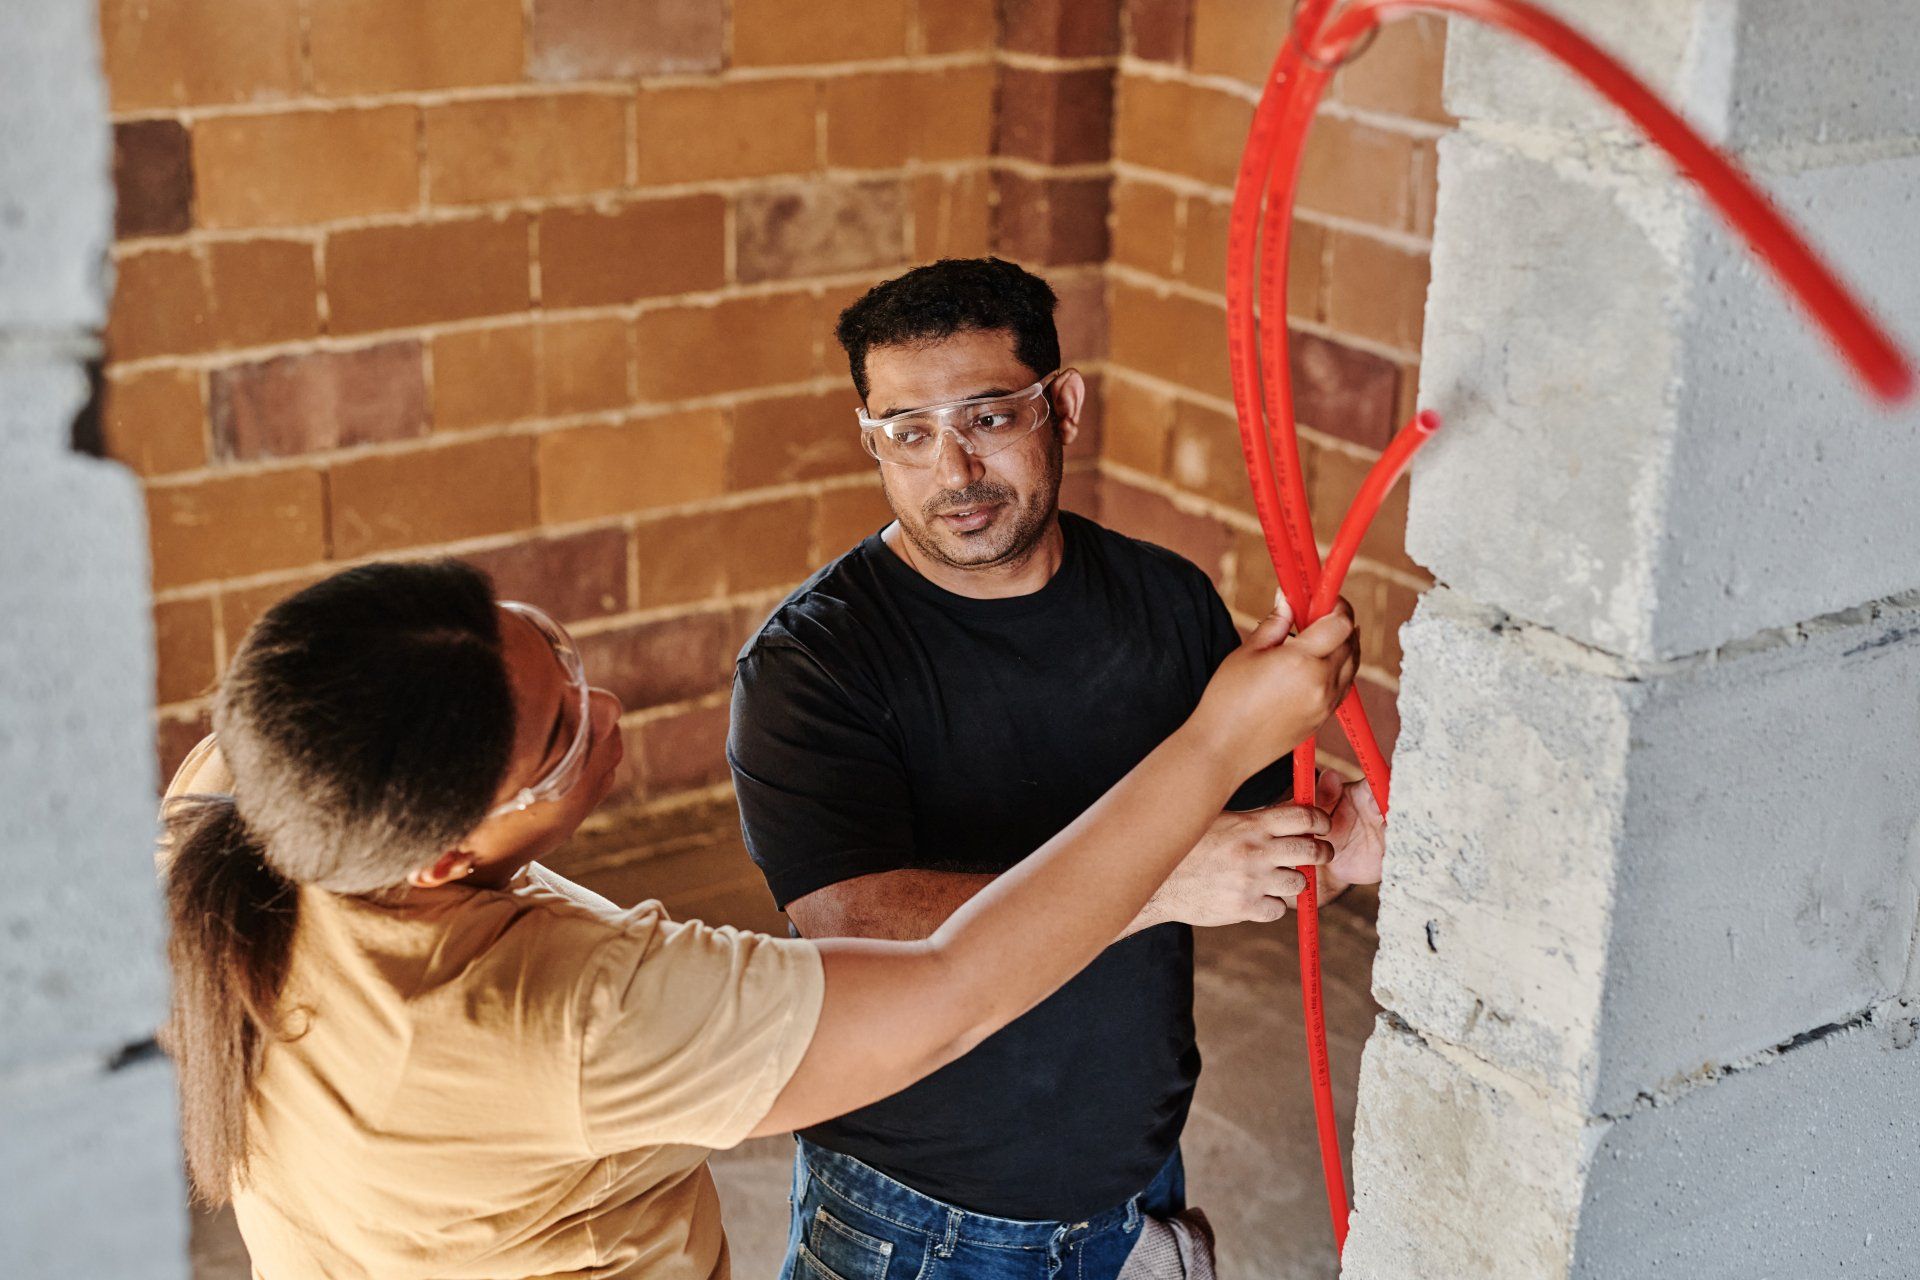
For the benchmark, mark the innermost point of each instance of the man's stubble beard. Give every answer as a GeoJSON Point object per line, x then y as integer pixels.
{"type": "Point", "coordinates": [1028, 525]}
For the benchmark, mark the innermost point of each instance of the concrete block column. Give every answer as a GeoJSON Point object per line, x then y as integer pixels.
{"type": "Point", "coordinates": [1649, 921]}
{"type": "Point", "coordinates": [90, 1181]}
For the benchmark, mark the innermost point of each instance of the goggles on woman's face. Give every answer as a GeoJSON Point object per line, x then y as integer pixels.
{"type": "Point", "coordinates": [983, 426]}
{"type": "Point", "coordinates": [576, 722]}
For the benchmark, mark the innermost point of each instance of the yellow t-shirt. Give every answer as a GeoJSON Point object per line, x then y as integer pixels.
{"type": "Point", "coordinates": [521, 1082]}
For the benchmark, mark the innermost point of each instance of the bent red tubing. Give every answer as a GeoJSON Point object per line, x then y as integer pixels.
{"type": "Point", "coordinates": [1324, 34]}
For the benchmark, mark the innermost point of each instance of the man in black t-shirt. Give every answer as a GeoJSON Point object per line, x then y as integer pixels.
{"type": "Point", "coordinates": [935, 705]}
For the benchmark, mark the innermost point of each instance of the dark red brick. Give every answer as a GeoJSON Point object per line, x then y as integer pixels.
{"type": "Point", "coordinates": [595, 39]}
{"type": "Point", "coordinates": [1141, 514]}
{"type": "Point", "coordinates": [800, 437]}
{"type": "Point", "coordinates": [1343, 391]}
{"type": "Point", "coordinates": [1061, 28]}
{"type": "Point", "coordinates": [1055, 117]}
{"type": "Point", "coordinates": [685, 751]}
{"type": "Point", "coordinates": [321, 400]}
{"type": "Point", "coordinates": [582, 575]}
{"type": "Point", "coordinates": [174, 736]}
{"type": "Point", "coordinates": [1051, 221]}
{"type": "Point", "coordinates": [650, 664]}
{"type": "Point", "coordinates": [152, 178]}
{"type": "Point", "coordinates": [1159, 30]}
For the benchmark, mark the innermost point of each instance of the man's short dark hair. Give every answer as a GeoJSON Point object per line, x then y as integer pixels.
{"type": "Point", "coordinates": [947, 297]}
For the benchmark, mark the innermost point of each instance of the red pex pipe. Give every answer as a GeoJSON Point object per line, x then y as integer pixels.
{"type": "Point", "coordinates": [1262, 219]}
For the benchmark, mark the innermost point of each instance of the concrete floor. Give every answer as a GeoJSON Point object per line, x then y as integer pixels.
{"type": "Point", "coordinates": [1251, 1159]}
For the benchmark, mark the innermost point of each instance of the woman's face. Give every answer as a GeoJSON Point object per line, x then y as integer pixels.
{"type": "Point", "coordinates": [546, 704]}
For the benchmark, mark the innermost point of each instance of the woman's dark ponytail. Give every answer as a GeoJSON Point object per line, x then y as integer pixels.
{"type": "Point", "coordinates": [231, 919]}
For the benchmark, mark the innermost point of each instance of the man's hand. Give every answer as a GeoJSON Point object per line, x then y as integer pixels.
{"type": "Point", "coordinates": [1357, 831]}
{"type": "Point", "coordinates": [1243, 868]}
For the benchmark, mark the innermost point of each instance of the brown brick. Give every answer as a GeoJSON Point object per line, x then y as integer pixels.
{"type": "Point", "coordinates": [727, 346]}
{"type": "Point", "coordinates": [1080, 493]}
{"type": "Point", "coordinates": [241, 608]}
{"type": "Point", "coordinates": [592, 472]}
{"type": "Point", "coordinates": [584, 365]}
{"type": "Point", "coordinates": [1061, 28]}
{"type": "Point", "coordinates": [183, 650]}
{"type": "Point", "coordinates": [740, 129]}
{"type": "Point", "coordinates": [1254, 580]}
{"type": "Point", "coordinates": [1143, 514]}
{"type": "Point", "coordinates": [1401, 74]}
{"type": "Point", "coordinates": [800, 437]}
{"type": "Point", "coordinates": [594, 40]}
{"type": "Point", "coordinates": [523, 148]}
{"type": "Point", "coordinates": [297, 167]}
{"type": "Point", "coordinates": [433, 495]}
{"type": "Point", "coordinates": [1425, 181]}
{"type": "Point", "coordinates": [1181, 128]}
{"type": "Point", "coordinates": [155, 421]}
{"type": "Point", "coordinates": [582, 575]}
{"type": "Point", "coordinates": [320, 400]}
{"type": "Point", "coordinates": [1138, 425]}
{"type": "Point", "coordinates": [846, 516]}
{"type": "Point", "coordinates": [484, 376]}
{"type": "Point", "coordinates": [1332, 483]}
{"type": "Point", "coordinates": [176, 735]}
{"type": "Point", "coordinates": [1384, 606]}
{"type": "Point", "coordinates": [393, 276]}
{"type": "Point", "coordinates": [651, 664]}
{"type": "Point", "coordinates": [1055, 117]}
{"type": "Point", "coordinates": [822, 228]}
{"type": "Point", "coordinates": [1307, 272]}
{"type": "Point", "coordinates": [1146, 219]}
{"type": "Point", "coordinates": [1172, 337]}
{"type": "Point", "coordinates": [160, 305]}
{"type": "Point", "coordinates": [1203, 244]}
{"type": "Point", "coordinates": [684, 558]}
{"type": "Point", "coordinates": [1050, 221]}
{"type": "Point", "coordinates": [392, 46]}
{"type": "Point", "coordinates": [645, 249]}
{"type": "Point", "coordinates": [152, 178]}
{"type": "Point", "coordinates": [1232, 38]}
{"type": "Point", "coordinates": [779, 33]}
{"type": "Point", "coordinates": [957, 26]}
{"type": "Point", "coordinates": [1159, 30]}
{"type": "Point", "coordinates": [1342, 391]}
{"type": "Point", "coordinates": [1082, 317]}
{"type": "Point", "coordinates": [232, 527]}
{"type": "Point", "coordinates": [264, 291]}
{"type": "Point", "coordinates": [685, 751]}
{"type": "Point", "coordinates": [1376, 290]}
{"type": "Point", "coordinates": [1358, 171]}
{"type": "Point", "coordinates": [194, 52]}
{"type": "Point", "coordinates": [1206, 456]}
{"type": "Point", "coordinates": [886, 119]}
{"type": "Point", "coordinates": [952, 215]}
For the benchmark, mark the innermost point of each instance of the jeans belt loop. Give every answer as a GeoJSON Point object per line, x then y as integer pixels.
{"type": "Point", "coordinates": [951, 1238]}
{"type": "Point", "coordinates": [1133, 1212]}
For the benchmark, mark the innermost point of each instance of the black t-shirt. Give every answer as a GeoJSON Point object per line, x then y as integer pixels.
{"type": "Point", "coordinates": [881, 722]}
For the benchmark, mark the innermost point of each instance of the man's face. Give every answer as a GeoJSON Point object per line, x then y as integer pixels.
{"type": "Point", "coordinates": [968, 512]}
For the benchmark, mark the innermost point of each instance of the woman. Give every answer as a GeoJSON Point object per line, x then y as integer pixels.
{"type": "Point", "coordinates": [405, 1049]}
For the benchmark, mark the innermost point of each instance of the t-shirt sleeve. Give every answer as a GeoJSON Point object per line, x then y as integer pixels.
{"type": "Point", "coordinates": [690, 1032]}
{"type": "Point", "coordinates": [823, 793]}
{"type": "Point", "coordinates": [1275, 782]}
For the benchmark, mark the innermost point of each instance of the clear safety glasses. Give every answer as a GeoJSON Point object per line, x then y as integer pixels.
{"type": "Point", "coordinates": [983, 425]}
{"type": "Point", "coordinates": [576, 723]}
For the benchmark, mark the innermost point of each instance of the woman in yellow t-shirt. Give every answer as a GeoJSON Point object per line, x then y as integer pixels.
{"type": "Point", "coordinates": [405, 1049]}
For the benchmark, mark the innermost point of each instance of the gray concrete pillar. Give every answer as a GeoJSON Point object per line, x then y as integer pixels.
{"type": "Point", "coordinates": [90, 1181]}
{"type": "Point", "coordinates": [1647, 935]}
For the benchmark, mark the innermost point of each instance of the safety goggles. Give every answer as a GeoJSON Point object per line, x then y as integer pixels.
{"type": "Point", "coordinates": [575, 717]}
{"type": "Point", "coordinates": [983, 426]}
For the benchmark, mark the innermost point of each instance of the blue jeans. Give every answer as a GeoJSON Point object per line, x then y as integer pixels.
{"type": "Point", "coordinates": [852, 1222]}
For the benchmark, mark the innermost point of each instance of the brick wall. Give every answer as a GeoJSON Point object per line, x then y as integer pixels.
{"type": "Point", "coordinates": [1171, 465]}
{"type": "Point", "coordinates": [549, 284]}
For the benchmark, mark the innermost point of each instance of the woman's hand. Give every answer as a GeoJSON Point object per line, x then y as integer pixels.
{"type": "Point", "coordinates": [1275, 690]}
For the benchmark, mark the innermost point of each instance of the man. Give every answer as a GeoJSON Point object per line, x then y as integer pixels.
{"type": "Point", "coordinates": [935, 705]}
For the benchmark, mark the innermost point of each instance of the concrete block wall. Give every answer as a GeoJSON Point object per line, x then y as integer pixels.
{"type": "Point", "coordinates": [1648, 931]}
{"type": "Point", "coordinates": [88, 1114]}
